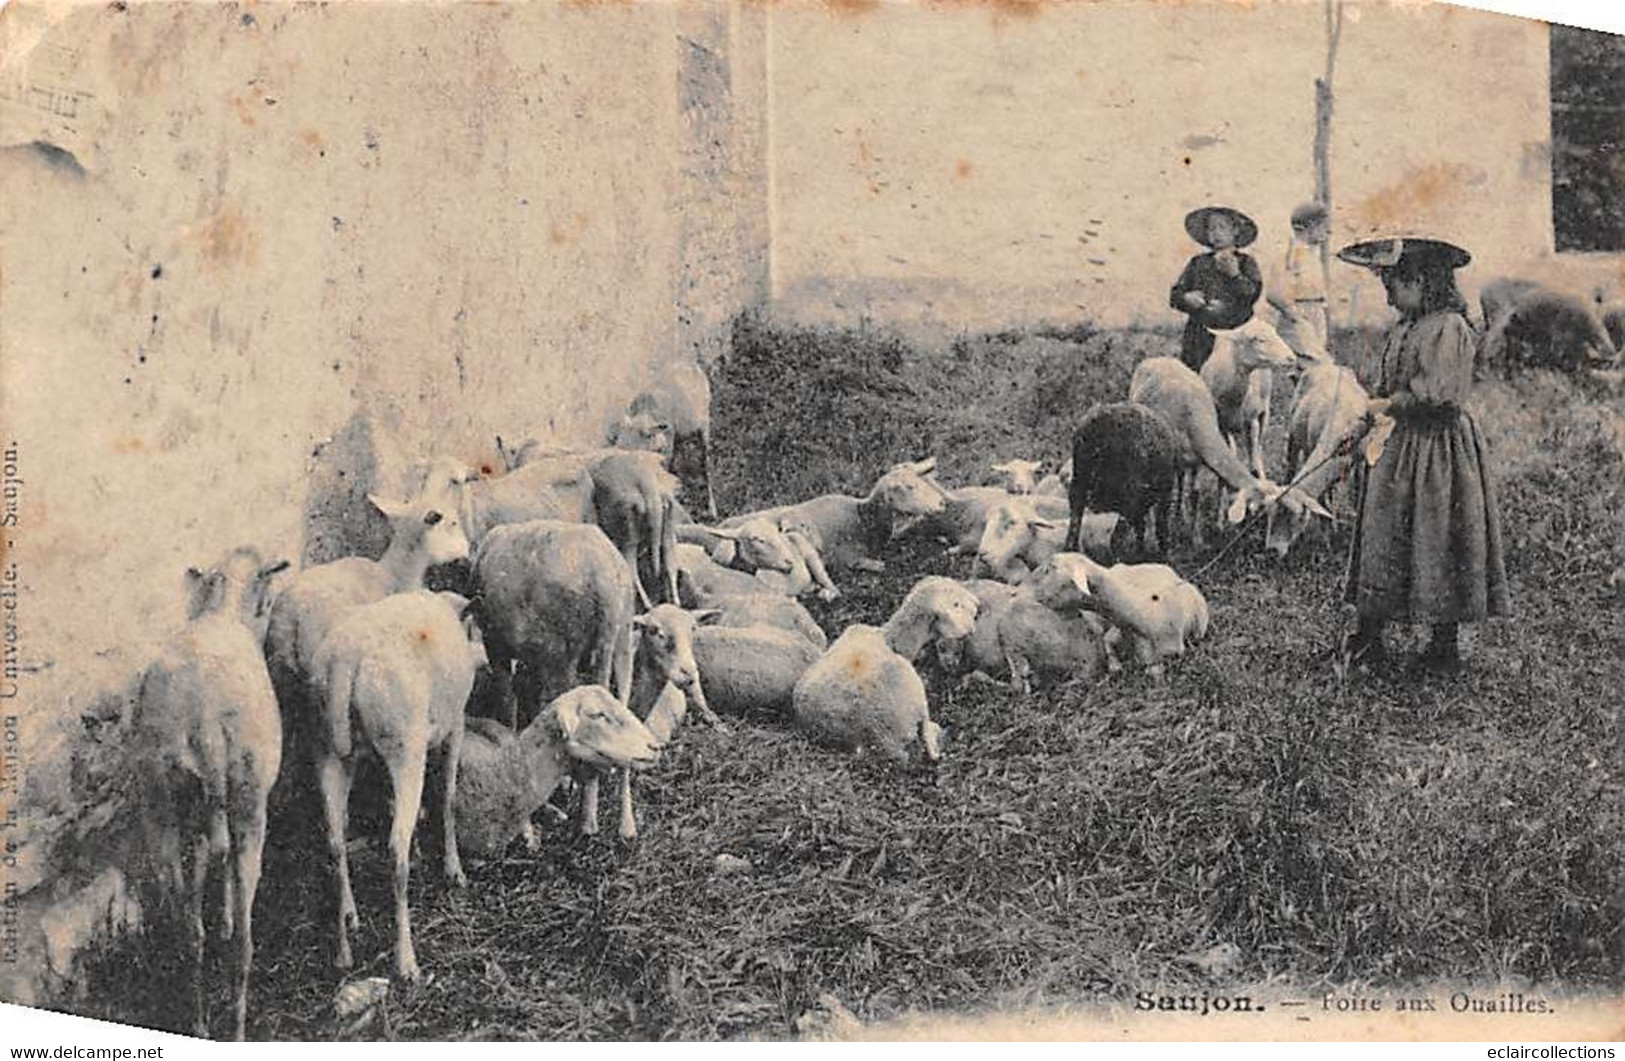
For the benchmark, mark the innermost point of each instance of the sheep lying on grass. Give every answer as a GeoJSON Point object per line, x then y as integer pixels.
{"type": "Point", "coordinates": [210, 740]}
{"type": "Point", "coordinates": [753, 668]}
{"type": "Point", "coordinates": [1019, 476]}
{"type": "Point", "coordinates": [1035, 630]}
{"type": "Point", "coordinates": [766, 610]}
{"type": "Point", "coordinates": [1017, 539]}
{"type": "Point", "coordinates": [850, 532]}
{"type": "Point", "coordinates": [864, 693]}
{"type": "Point", "coordinates": [396, 674]}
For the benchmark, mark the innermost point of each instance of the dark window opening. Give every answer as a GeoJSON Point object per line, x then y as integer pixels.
{"type": "Point", "coordinates": [1588, 132]}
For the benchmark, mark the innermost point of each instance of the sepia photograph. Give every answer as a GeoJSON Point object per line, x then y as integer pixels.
{"type": "Point", "coordinates": [763, 520]}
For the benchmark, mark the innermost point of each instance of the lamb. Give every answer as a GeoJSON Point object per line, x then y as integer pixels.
{"type": "Point", "coordinates": [209, 737]}
{"type": "Point", "coordinates": [753, 668]}
{"type": "Point", "coordinates": [1167, 387]}
{"type": "Point", "coordinates": [1327, 410]}
{"type": "Point", "coordinates": [556, 486]}
{"type": "Point", "coordinates": [1530, 326]}
{"type": "Point", "coordinates": [864, 693]}
{"type": "Point", "coordinates": [1020, 476]}
{"type": "Point", "coordinates": [504, 777]}
{"type": "Point", "coordinates": [1035, 629]}
{"type": "Point", "coordinates": [665, 678]}
{"type": "Point", "coordinates": [1158, 612]}
{"type": "Point", "coordinates": [555, 601]}
{"type": "Point", "coordinates": [1131, 460]}
{"type": "Point", "coordinates": [676, 407]}
{"type": "Point", "coordinates": [850, 531]}
{"type": "Point", "coordinates": [965, 512]}
{"type": "Point", "coordinates": [396, 674]}
{"type": "Point", "coordinates": [1018, 539]}
{"type": "Point", "coordinates": [1240, 376]}
{"type": "Point", "coordinates": [753, 545]}
{"type": "Point", "coordinates": [632, 497]}
{"type": "Point", "coordinates": [766, 610]}
{"type": "Point", "coordinates": [701, 580]}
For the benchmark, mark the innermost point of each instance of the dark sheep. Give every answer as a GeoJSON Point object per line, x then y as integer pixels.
{"type": "Point", "coordinates": [1530, 326]}
{"type": "Point", "coordinates": [1125, 459]}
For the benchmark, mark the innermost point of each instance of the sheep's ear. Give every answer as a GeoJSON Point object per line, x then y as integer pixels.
{"type": "Point", "coordinates": [1003, 466]}
{"type": "Point", "coordinates": [707, 616]}
{"type": "Point", "coordinates": [642, 622]}
{"type": "Point", "coordinates": [193, 577]}
{"type": "Point", "coordinates": [1315, 507]}
{"type": "Point", "coordinates": [273, 568]}
{"type": "Point", "coordinates": [567, 716]}
{"type": "Point", "coordinates": [392, 510]}
{"type": "Point", "coordinates": [1046, 523]}
{"type": "Point", "coordinates": [726, 533]}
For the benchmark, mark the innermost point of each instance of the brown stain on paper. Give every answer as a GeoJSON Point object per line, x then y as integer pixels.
{"type": "Point", "coordinates": [963, 169]}
{"type": "Point", "coordinates": [228, 239]}
{"type": "Point", "coordinates": [1419, 195]}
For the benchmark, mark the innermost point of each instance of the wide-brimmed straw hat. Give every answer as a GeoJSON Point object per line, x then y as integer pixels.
{"type": "Point", "coordinates": [1196, 223]}
{"type": "Point", "coordinates": [1390, 252]}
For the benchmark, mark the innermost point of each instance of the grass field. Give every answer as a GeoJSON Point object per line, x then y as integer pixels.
{"type": "Point", "coordinates": [1080, 844]}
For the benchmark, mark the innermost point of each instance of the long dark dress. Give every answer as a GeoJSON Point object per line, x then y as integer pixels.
{"type": "Point", "coordinates": [1234, 296]}
{"type": "Point", "coordinates": [1427, 544]}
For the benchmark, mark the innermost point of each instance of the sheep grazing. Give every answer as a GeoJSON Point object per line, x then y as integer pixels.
{"type": "Point", "coordinates": [504, 777]}
{"type": "Point", "coordinates": [396, 674]}
{"type": "Point", "coordinates": [1530, 326]}
{"type": "Point", "coordinates": [1018, 539]}
{"type": "Point", "coordinates": [1157, 611]}
{"type": "Point", "coordinates": [209, 737]}
{"type": "Point", "coordinates": [1036, 630]}
{"type": "Point", "coordinates": [1327, 410]}
{"type": "Point", "coordinates": [673, 416]}
{"type": "Point", "coordinates": [555, 601]}
{"type": "Point", "coordinates": [850, 531]}
{"type": "Point", "coordinates": [753, 668]}
{"type": "Point", "coordinates": [1168, 387]}
{"type": "Point", "coordinates": [1240, 376]}
{"type": "Point", "coordinates": [1130, 460]}
{"type": "Point", "coordinates": [665, 679]}
{"type": "Point", "coordinates": [767, 610]}
{"type": "Point", "coordinates": [1019, 476]}
{"type": "Point", "coordinates": [864, 693]}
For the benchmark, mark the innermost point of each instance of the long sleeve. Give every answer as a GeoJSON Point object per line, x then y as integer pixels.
{"type": "Point", "coordinates": [1188, 281]}
{"type": "Point", "coordinates": [1440, 364]}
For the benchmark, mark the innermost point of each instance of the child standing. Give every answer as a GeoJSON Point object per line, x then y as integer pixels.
{"type": "Point", "coordinates": [1217, 289]}
{"type": "Point", "coordinates": [1298, 292]}
{"type": "Point", "coordinates": [1427, 542]}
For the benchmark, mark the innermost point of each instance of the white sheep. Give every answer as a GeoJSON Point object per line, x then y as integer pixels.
{"type": "Point", "coordinates": [1240, 374]}
{"type": "Point", "coordinates": [504, 777]}
{"type": "Point", "coordinates": [1018, 539]}
{"type": "Point", "coordinates": [769, 610]}
{"type": "Point", "coordinates": [673, 415]}
{"type": "Point", "coordinates": [1037, 629]}
{"type": "Point", "coordinates": [850, 532]}
{"type": "Point", "coordinates": [210, 741]}
{"type": "Point", "coordinates": [752, 668]}
{"type": "Point", "coordinates": [1327, 411]}
{"type": "Point", "coordinates": [396, 674]}
{"type": "Point", "coordinates": [555, 601]}
{"type": "Point", "coordinates": [864, 693]}
{"type": "Point", "coordinates": [1149, 604]}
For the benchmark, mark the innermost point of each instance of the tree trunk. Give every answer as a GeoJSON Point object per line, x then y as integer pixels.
{"type": "Point", "coordinates": [1323, 125]}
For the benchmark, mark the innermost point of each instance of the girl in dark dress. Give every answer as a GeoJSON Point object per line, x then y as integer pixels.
{"type": "Point", "coordinates": [1427, 543]}
{"type": "Point", "coordinates": [1217, 289]}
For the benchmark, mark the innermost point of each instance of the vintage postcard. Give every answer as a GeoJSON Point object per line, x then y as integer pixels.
{"type": "Point", "coordinates": [719, 520]}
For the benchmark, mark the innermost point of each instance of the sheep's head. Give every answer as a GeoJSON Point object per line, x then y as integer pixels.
{"type": "Point", "coordinates": [238, 582]}
{"type": "Point", "coordinates": [1257, 345]}
{"type": "Point", "coordinates": [1019, 476]}
{"type": "Point", "coordinates": [951, 606]}
{"type": "Point", "coordinates": [1062, 581]}
{"type": "Point", "coordinates": [762, 545]}
{"type": "Point", "coordinates": [434, 529]}
{"type": "Point", "coordinates": [1289, 516]}
{"type": "Point", "coordinates": [907, 493]}
{"type": "Point", "coordinates": [598, 730]}
{"type": "Point", "coordinates": [666, 643]}
{"type": "Point", "coordinates": [645, 430]}
{"type": "Point", "coordinates": [1011, 529]}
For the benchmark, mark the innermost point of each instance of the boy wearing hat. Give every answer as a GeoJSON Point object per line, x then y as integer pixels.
{"type": "Point", "coordinates": [1217, 289]}
{"type": "Point", "coordinates": [1298, 293]}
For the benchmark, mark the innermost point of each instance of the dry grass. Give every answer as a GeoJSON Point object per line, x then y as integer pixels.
{"type": "Point", "coordinates": [1080, 844]}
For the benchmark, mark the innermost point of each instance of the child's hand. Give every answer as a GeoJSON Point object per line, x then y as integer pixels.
{"type": "Point", "coordinates": [1228, 264]}
{"type": "Point", "coordinates": [1194, 299]}
{"type": "Point", "coordinates": [1376, 407]}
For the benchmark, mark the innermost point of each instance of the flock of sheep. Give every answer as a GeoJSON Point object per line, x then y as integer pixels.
{"type": "Point", "coordinates": [600, 612]}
